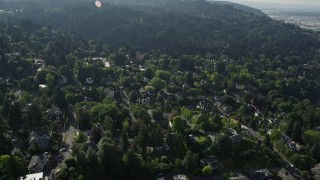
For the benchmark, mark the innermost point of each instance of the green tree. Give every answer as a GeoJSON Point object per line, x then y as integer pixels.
{"type": "Point", "coordinates": [59, 99]}
{"type": "Point", "coordinates": [178, 124]}
{"type": "Point", "coordinates": [110, 161]}
{"type": "Point", "coordinates": [190, 160]}
{"type": "Point", "coordinates": [207, 170]}
{"type": "Point", "coordinates": [133, 96]}
{"type": "Point", "coordinates": [311, 137]}
{"type": "Point", "coordinates": [223, 145]}
{"type": "Point", "coordinates": [125, 142]}
{"type": "Point", "coordinates": [142, 138]}
{"type": "Point", "coordinates": [15, 120]}
{"type": "Point", "coordinates": [12, 167]}
{"type": "Point", "coordinates": [297, 131]}
{"type": "Point", "coordinates": [50, 80]}
{"type": "Point", "coordinates": [119, 59]}
{"type": "Point", "coordinates": [34, 117]}
{"type": "Point", "coordinates": [83, 119]}
{"type": "Point", "coordinates": [70, 98]}
{"type": "Point", "coordinates": [315, 151]}
{"type": "Point", "coordinates": [164, 75]}
{"type": "Point", "coordinates": [157, 83]}
{"type": "Point", "coordinates": [81, 137]}
{"type": "Point", "coordinates": [133, 165]}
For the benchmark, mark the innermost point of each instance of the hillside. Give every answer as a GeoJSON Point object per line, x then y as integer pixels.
{"type": "Point", "coordinates": [176, 27]}
{"type": "Point", "coordinates": [241, 7]}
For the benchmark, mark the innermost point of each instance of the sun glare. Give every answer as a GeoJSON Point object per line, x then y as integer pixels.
{"type": "Point", "coordinates": [98, 4]}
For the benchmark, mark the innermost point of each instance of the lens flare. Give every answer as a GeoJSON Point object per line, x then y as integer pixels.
{"type": "Point", "coordinates": [98, 4]}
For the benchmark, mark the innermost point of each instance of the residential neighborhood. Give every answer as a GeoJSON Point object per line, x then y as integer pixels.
{"type": "Point", "coordinates": [237, 107]}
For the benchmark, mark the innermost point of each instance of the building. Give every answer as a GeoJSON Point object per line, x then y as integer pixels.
{"type": "Point", "coordinates": [37, 164]}
{"type": "Point", "coordinates": [236, 138]}
{"type": "Point", "coordinates": [180, 177]}
{"type": "Point", "coordinates": [316, 171]}
{"type": "Point", "coordinates": [294, 146]}
{"type": "Point", "coordinates": [262, 174]}
{"type": "Point", "coordinates": [284, 174]}
{"type": "Point", "coordinates": [54, 113]}
{"type": "Point", "coordinates": [239, 177]}
{"type": "Point", "coordinates": [35, 176]}
{"type": "Point", "coordinates": [232, 131]}
{"type": "Point", "coordinates": [211, 160]}
{"type": "Point", "coordinates": [89, 80]}
{"type": "Point", "coordinates": [41, 138]}
{"type": "Point", "coordinates": [63, 80]}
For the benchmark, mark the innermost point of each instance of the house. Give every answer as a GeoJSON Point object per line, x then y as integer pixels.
{"type": "Point", "coordinates": [37, 164]}
{"type": "Point", "coordinates": [258, 113]}
{"type": "Point", "coordinates": [294, 146]}
{"type": "Point", "coordinates": [89, 80]}
{"type": "Point", "coordinates": [145, 80]}
{"type": "Point", "coordinates": [316, 171]}
{"type": "Point", "coordinates": [211, 160]}
{"type": "Point", "coordinates": [144, 100]}
{"type": "Point", "coordinates": [285, 139]}
{"type": "Point", "coordinates": [151, 93]}
{"type": "Point", "coordinates": [239, 177]}
{"type": "Point", "coordinates": [166, 145]}
{"type": "Point", "coordinates": [34, 176]}
{"type": "Point", "coordinates": [139, 56]}
{"type": "Point", "coordinates": [97, 59]}
{"type": "Point", "coordinates": [284, 174]}
{"type": "Point", "coordinates": [180, 177]}
{"type": "Point", "coordinates": [109, 92]}
{"type": "Point", "coordinates": [41, 68]}
{"type": "Point", "coordinates": [38, 62]}
{"type": "Point", "coordinates": [142, 92]}
{"type": "Point", "coordinates": [262, 174]}
{"type": "Point", "coordinates": [16, 142]}
{"type": "Point", "coordinates": [41, 138]}
{"type": "Point", "coordinates": [43, 86]}
{"type": "Point", "coordinates": [54, 113]}
{"type": "Point", "coordinates": [63, 80]}
{"type": "Point", "coordinates": [18, 94]}
{"type": "Point", "coordinates": [192, 138]}
{"type": "Point", "coordinates": [157, 149]}
{"type": "Point", "coordinates": [236, 138]}
{"type": "Point", "coordinates": [107, 64]}
{"type": "Point", "coordinates": [232, 131]}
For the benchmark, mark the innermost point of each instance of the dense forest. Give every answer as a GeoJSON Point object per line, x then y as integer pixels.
{"type": "Point", "coordinates": [152, 89]}
{"type": "Point", "coordinates": [176, 27]}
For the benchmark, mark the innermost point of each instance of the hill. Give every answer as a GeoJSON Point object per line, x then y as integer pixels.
{"type": "Point", "coordinates": [242, 7]}
{"type": "Point", "coordinates": [173, 26]}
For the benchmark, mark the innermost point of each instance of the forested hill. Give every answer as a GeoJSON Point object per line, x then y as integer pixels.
{"type": "Point", "coordinates": [173, 26]}
{"type": "Point", "coordinates": [241, 7]}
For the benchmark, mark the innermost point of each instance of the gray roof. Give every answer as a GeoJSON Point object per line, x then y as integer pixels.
{"type": "Point", "coordinates": [211, 160]}
{"type": "Point", "coordinates": [285, 175]}
{"type": "Point", "coordinates": [36, 164]}
{"type": "Point", "coordinates": [316, 170]}
{"type": "Point", "coordinates": [40, 137]}
{"type": "Point", "coordinates": [236, 138]}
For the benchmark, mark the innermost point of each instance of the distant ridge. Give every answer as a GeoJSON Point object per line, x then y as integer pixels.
{"type": "Point", "coordinates": [241, 7]}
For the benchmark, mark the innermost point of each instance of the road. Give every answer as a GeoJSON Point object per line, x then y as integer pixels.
{"type": "Point", "coordinates": [67, 139]}
{"type": "Point", "coordinates": [252, 132]}
{"type": "Point", "coordinates": [296, 172]}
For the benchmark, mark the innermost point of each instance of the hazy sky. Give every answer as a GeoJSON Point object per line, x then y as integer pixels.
{"type": "Point", "coordinates": [302, 2]}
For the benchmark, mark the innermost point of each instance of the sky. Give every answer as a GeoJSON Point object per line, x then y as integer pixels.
{"type": "Point", "coordinates": [302, 2]}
